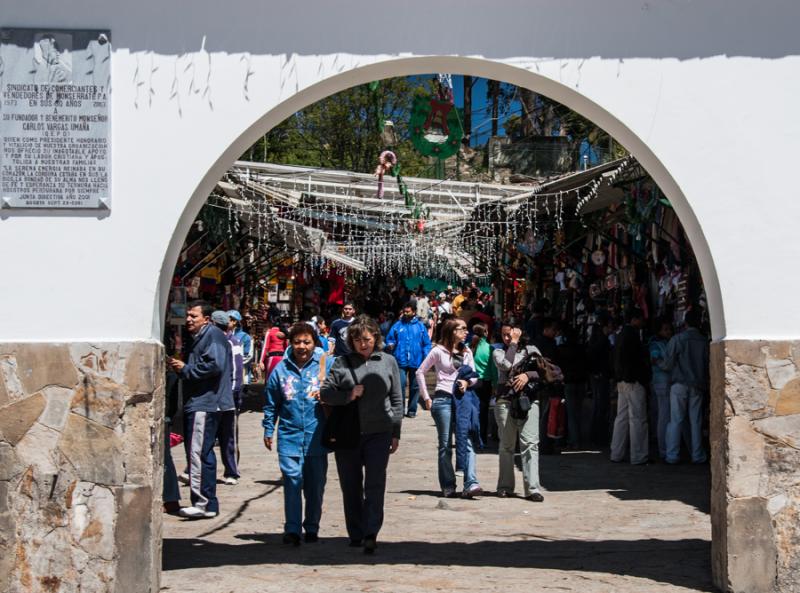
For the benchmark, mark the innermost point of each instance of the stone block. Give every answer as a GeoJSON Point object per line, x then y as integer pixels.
{"type": "Point", "coordinates": [12, 389]}
{"type": "Point", "coordinates": [93, 450]}
{"type": "Point", "coordinates": [37, 450]}
{"type": "Point", "coordinates": [16, 419]}
{"type": "Point", "coordinates": [144, 367]}
{"type": "Point", "coordinates": [780, 371]}
{"type": "Point", "coordinates": [39, 365]}
{"type": "Point", "coordinates": [788, 400]}
{"type": "Point", "coordinates": [752, 553]}
{"type": "Point", "coordinates": [783, 429]}
{"type": "Point", "coordinates": [747, 465]}
{"type": "Point", "coordinates": [8, 544]}
{"type": "Point", "coordinates": [9, 464]}
{"type": "Point", "coordinates": [747, 389]}
{"type": "Point", "coordinates": [99, 399]}
{"type": "Point", "coordinates": [779, 349]}
{"type": "Point", "coordinates": [134, 540]}
{"type": "Point", "coordinates": [92, 519]}
{"type": "Point", "coordinates": [137, 444]}
{"type": "Point", "coordinates": [57, 409]}
{"type": "Point", "coordinates": [749, 352]}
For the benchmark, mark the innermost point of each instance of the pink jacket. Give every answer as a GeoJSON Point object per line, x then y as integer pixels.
{"type": "Point", "coordinates": [440, 359]}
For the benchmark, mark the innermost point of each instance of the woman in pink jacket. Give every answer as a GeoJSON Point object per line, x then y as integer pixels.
{"type": "Point", "coordinates": [446, 358]}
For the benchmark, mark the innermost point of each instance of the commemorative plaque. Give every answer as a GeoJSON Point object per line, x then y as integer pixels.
{"type": "Point", "coordinates": [55, 144]}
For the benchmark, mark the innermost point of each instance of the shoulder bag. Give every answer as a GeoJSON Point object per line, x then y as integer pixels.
{"type": "Point", "coordinates": [342, 429]}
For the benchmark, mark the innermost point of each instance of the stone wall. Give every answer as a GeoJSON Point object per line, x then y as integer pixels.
{"type": "Point", "coordinates": [755, 497]}
{"type": "Point", "coordinates": [80, 467]}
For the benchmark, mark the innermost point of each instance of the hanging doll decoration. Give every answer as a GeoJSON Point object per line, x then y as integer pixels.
{"type": "Point", "coordinates": [386, 162]}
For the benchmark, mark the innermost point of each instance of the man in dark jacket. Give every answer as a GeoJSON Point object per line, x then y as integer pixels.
{"type": "Point", "coordinates": [632, 372]}
{"type": "Point", "coordinates": [687, 359]}
{"type": "Point", "coordinates": [207, 383]}
{"type": "Point", "coordinates": [409, 343]}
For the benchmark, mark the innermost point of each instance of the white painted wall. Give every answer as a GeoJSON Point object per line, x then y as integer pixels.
{"type": "Point", "coordinates": [705, 94]}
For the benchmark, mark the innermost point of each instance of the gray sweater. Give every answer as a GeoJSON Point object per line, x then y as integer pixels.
{"type": "Point", "coordinates": [504, 360]}
{"type": "Point", "coordinates": [380, 408]}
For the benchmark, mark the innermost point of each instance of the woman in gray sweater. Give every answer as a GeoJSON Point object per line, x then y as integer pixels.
{"type": "Point", "coordinates": [372, 378]}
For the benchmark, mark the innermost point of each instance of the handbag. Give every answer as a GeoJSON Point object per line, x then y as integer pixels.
{"type": "Point", "coordinates": [342, 428]}
{"type": "Point", "coordinates": [520, 406]}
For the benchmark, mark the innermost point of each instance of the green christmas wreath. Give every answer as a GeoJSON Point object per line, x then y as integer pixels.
{"type": "Point", "coordinates": [428, 112]}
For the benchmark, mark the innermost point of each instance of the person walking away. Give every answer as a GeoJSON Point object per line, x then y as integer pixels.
{"type": "Point", "coordinates": [423, 311]}
{"type": "Point", "coordinates": [207, 385]}
{"type": "Point", "coordinates": [272, 353]}
{"type": "Point", "coordinates": [408, 341]}
{"type": "Point", "coordinates": [228, 433]}
{"type": "Point", "coordinates": [510, 429]}
{"type": "Point", "coordinates": [446, 358]}
{"type": "Point", "coordinates": [292, 394]}
{"type": "Point", "coordinates": [371, 377]}
{"type": "Point", "coordinates": [339, 329]}
{"type": "Point", "coordinates": [571, 357]}
{"type": "Point", "coordinates": [247, 344]}
{"type": "Point", "coordinates": [487, 375]}
{"type": "Point", "coordinates": [598, 352]}
{"type": "Point", "coordinates": [687, 359]}
{"type": "Point", "coordinates": [632, 371]}
{"type": "Point", "coordinates": [660, 384]}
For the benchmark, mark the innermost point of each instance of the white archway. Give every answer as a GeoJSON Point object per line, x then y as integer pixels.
{"type": "Point", "coordinates": [468, 66]}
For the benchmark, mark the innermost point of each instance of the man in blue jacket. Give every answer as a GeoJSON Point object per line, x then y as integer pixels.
{"type": "Point", "coordinates": [409, 342]}
{"type": "Point", "coordinates": [207, 383]}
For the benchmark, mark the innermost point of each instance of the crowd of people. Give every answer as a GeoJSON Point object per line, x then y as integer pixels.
{"type": "Point", "coordinates": [346, 388]}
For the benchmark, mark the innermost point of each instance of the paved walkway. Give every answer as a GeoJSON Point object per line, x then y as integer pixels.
{"type": "Point", "coordinates": [603, 528]}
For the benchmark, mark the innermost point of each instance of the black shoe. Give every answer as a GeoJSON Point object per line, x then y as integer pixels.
{"type": "Point", "coordinates": [411, 415]}
{"type": "Point", "coordinates": [370, 544]}
{"type": "Point", "coordinates": [504, 494]}
{"type": "Point", "coordinates": [291, 539]}
{"type": "Point", "coordinates": [311, 538]}
{"type": "Point", "coordinates": [356, 543]}
{"type": "Point", "coordinates": [535, 497]}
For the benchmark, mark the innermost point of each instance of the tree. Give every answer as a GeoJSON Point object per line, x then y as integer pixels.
{"type": "Point", "coordinates": [343, 131]}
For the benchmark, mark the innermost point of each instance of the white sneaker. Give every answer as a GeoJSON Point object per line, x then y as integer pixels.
{"type": "Point", "coordinates": [195, 513]}
{"type": "Point", "coordinates": [474, 490]}
{"type": "Point", "coordinates": [230, 481]}
{"type": "Point", "coordinates": [184, 479]}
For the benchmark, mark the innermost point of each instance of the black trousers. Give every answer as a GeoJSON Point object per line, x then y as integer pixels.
{"type": "Point", "coordinates": [362, 476]}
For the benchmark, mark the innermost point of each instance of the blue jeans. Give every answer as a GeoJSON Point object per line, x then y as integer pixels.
{"type": "Point", "coordinates": [685, 401]}
{"type": "Point", "coordinates": [409, 375]}
{"type": "Point", "coordinates": [303, 476]}
{"type": "Point", "coordinates": [442, 412]}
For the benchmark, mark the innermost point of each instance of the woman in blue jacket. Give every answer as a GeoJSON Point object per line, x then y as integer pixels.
{"type": "Point", "coordinates": [292, 395]}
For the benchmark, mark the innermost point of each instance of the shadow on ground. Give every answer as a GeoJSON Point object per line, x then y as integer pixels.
{"type": "Point", "coordinates": [675, 562]}
{"type": "Point", "coordinates": [689, 484]}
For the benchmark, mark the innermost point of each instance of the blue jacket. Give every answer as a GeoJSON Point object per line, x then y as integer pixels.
{"type": "Point", "coordinates": [288, 397]}
{"type": "Point", "coordinates": [467, 410]}
{"type": "Point", "coordinates": [410, 341]}
{"type": "Point", "coordinates": [247, 346]}
{"type": "Point", "coordinates": [208, 373]}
